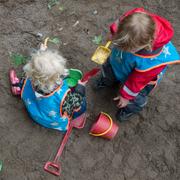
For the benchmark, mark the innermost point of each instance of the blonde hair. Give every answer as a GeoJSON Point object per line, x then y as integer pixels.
{"type": "Point", "coordinates": [45, 69]}
{"type": "Point", "coordinates": [135, 32]}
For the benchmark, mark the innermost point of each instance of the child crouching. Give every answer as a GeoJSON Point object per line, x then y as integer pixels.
{"type": "Point", "coordinates": [142, 50]}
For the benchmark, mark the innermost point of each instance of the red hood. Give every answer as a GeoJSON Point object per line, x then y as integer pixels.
{"type": "Point", "coordinates": [163, 32]}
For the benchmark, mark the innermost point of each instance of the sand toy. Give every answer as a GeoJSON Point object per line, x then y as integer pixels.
{"type": "Point", "coordinates": [104, 127]}
{"type": "Point", "coordinates": [54, 167]}
{"type": "Point", "coordinates": [102, 53]}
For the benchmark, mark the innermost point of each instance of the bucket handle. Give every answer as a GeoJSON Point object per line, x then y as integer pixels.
{"type": "Point", "coordinates": [105, 132]}
{"type": "Point", "coordinates": [107, 44]}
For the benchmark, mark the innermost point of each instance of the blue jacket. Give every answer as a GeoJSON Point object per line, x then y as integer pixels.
{"type": "Point", "coordinates": [46, 110]}
{"type": "Point", "coordinates": [136, 71]}
{"type": "Point", "coordinates": [123, 63]}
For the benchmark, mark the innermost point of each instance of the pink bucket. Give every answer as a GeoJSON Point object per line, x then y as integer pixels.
{"type": "Point", "coordinates": [104, 127]}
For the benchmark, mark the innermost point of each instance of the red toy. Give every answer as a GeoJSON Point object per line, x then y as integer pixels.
{"type": "Point", "coordinates": [104, 127]}
{"type": "Point", "coordinates": [90, 74]}
{"type": "Point", "coordinates": [54, 167]}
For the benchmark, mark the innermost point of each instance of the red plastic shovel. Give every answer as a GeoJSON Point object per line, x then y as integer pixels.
{"type": "Point", "coordinates": [90, 74]}
{"type": "Point", "coordinates": [54, 167]}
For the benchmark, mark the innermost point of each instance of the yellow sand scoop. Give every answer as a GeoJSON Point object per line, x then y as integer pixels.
{"type": "Point", "coordinates": [101, 54]}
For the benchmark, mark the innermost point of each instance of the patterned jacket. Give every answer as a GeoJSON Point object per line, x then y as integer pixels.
{"type": "Point", "coordinates": [46, 110]}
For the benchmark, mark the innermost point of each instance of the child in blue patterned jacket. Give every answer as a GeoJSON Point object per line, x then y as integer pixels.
{"type": "Point", "coordinates": [45, 92]}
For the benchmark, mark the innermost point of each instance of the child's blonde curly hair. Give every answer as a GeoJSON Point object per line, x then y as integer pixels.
{"type": "Point", "coordinates": [135, 32]}
{"type": "Point", "coordinates": [45, 70]}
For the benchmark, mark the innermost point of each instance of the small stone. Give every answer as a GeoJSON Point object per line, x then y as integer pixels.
{"type": "Point", "coordinates": [76, 23]}
{"type": "Point", "coordinates": [60, 29]}
{"type": "Point", "coordinates": [95, 12]}
{"type": "Point", "coordinates": [39, 35]}
{"type": "Point", "coordinates": [65, 44]}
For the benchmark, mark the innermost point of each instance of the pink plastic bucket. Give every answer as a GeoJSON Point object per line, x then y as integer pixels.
{"type": "Point", "coordinates": [104, 127]}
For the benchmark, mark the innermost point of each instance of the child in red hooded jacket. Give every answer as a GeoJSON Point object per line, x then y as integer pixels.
{"type": "Point", "coordinates": [141, 53]}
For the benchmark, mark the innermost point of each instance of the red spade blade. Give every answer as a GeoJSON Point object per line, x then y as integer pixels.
{"type": "Point", "coordinates": [90, 74]}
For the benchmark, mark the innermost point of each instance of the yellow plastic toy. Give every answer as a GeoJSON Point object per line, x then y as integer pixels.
{"type": "Point", "coordinates": [46, 41]}
{"type": "Point", "coordinates": [102, 53]}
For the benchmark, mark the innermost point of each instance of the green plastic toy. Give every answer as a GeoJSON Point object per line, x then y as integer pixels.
{"type": "Point", "coordinates": [74, 76]}
{"type": "Point", "coordinates": [71, 82]}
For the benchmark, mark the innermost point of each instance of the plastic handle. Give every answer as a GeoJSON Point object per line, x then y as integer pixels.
{"type": "Point", "coordinates": [63, 143]}
{"type": "Point", "coordinates": [107, 44]}
{"type": "Point", "coordinates": [53, 168]}
{"type": "Point", "coordinates": [46, 41]}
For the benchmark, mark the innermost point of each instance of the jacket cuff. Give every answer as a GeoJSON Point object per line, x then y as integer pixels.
{"type": "Point", "coordinates": [127, 93]}
{"type": "Point", "coordinates": [80, 89]}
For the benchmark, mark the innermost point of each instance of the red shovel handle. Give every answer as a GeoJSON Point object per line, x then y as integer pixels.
{"type": "Point", "coordinates": [63, 143]}
{"type": "Point", "coordinates": [90, 74]}
{"type": "Point", "coordinates": [53, 168]}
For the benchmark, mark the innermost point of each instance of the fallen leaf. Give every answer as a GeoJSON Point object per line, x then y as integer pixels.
{"type": "Point", "coordinates": [97, 39]}
{"type": "Point", "coordinates": [52, 3]}
{"type": "Point", "coordinates": [18, 59]}
{"type": "Point", "coordinates": [54, 40]}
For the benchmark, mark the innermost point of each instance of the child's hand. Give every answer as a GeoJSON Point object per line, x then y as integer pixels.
{"type": "Point", "coordinates": [82, 83]}
{"type": "Point", "coordinates": [122, 101]}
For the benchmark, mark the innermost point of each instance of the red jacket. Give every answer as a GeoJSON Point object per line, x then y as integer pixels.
{"type": "Point", "coordinates": [138, 80]}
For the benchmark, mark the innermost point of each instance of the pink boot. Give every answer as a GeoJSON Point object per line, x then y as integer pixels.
{"type": "Point", "coordinates": [16, 91]}
{"type": "Point", "coordinates": [13, 77]}
{"type": "Point", "coordinates": [14, 80]}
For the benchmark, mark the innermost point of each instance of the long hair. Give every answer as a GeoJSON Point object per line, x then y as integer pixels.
{"type": "Point", "coordinates": [45, 69]}
{"type": "Point", "coordinates": [135, 32]}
